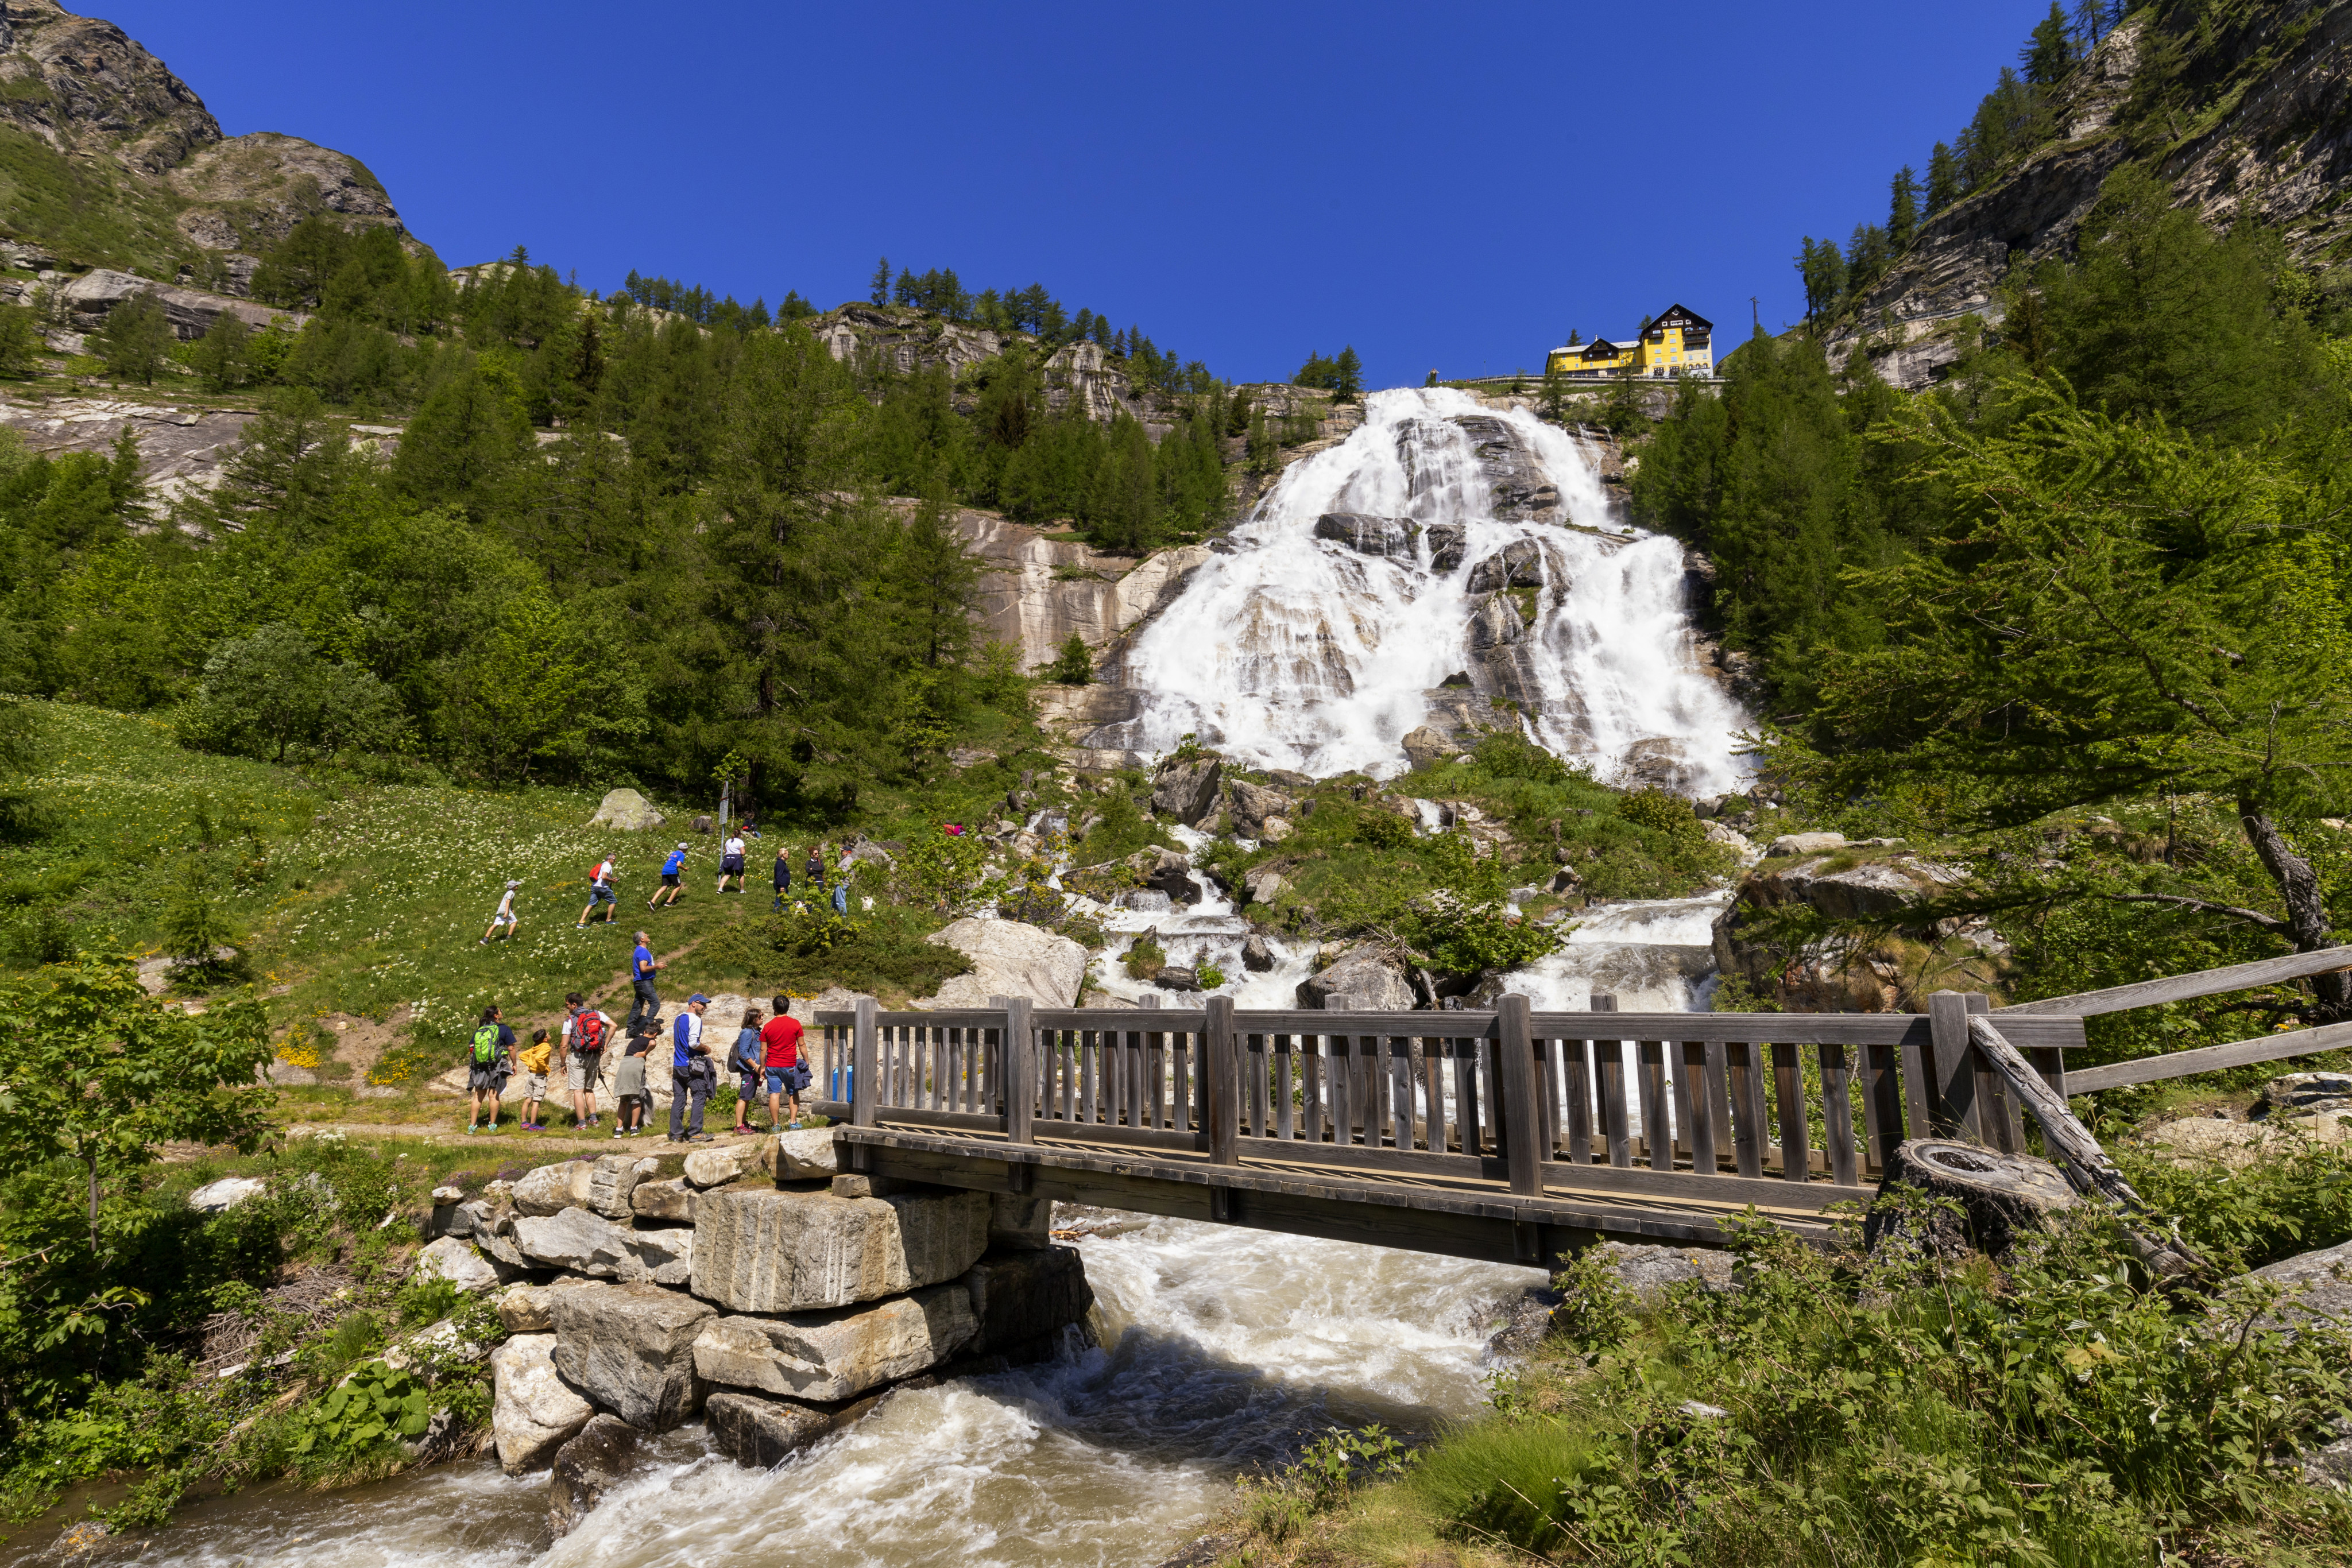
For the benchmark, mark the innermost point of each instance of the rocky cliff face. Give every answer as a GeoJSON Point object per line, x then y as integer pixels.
{"type": "Point", "coordinates": [156, 186]}
{"type": "Point", "coordinates": [2268, 135]}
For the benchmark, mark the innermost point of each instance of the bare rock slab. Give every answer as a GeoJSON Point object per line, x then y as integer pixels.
{"type": "Point", "coordinates": [630, 1349]}
{"type": "Point", "coordinates": [586, 1469]}
{"type": "Point", "coordinates": [826, 1357]}
{"type": "Point", "coordinates": [457, 1261]}
{"type": "Point", "coordinates": [534, 1411]}
{"type": "Point", "coordinates": [611, 1181]}
{"type": "Point", "coordinates": [722, 1163]}
{"type": "Point", "coordinates": [767, 1251]}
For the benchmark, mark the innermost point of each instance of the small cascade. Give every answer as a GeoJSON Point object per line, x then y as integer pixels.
{"type": "Point", "coordinates": [1447, 565]}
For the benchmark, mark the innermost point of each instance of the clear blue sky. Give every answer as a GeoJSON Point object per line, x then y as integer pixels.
{"type": "Point", "coordinates": [1441, 186]}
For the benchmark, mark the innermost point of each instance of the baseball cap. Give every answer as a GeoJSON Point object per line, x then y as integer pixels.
{"type": "Point", "coordinates": [514, 884]}
{"type": "Point", "coordinates": [698, 996]}
{"type": "Point", "coordinates": [681, 843]}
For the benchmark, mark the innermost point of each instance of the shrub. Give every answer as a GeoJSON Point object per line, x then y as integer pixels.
{"type": "Point", "coordinates": [1144, 958]}
{"type": "Point", "coordinates": [880, 949]}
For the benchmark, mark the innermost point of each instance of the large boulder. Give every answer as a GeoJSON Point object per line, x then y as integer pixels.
{"type": "Point", "coordinates": [457, 1261]}
{"type": "Point", "coordinates": [673, 1199]}
{"type": "Point", "coordinates": [628, 811]}
{"type": "Point", "coordinates": [2307, 1093]}
{"type": "Point", "coordinates": [219, 1197]}
{"type": "Point", "coordinates": [551, 1189]}
{"type": "Point", "coordinates": [1832, 972]}
{"type": "Point", "coordinates": [1426, 746]}
{"type": "Point", "coordinates": [1659, 762]}
{"type": "Point", "coordinates": [1518, 564]}
{"type": "Point", "coordinates": [1019, 1221]}
{"type": "Point", "coordinates": [1019, 1297]}
{"type": "Point", "coordinates": [1010, 958]}
{"type": "Point", "coordinates": [666, 1253]}
{"type": "Point", "coordinates": [1646, 1271]}
{"type": "Point", "coordinates": [1367, 535]}
{"type": "Point", "coordinates": [630, 1349]}
{"type": "Point", "coordinates": [529, 1308]}
{"type": "Point", "coordinates": [762, 1431]}
{"type": "Point", "coordinates": [769, 1251]}
{"type": "Point", "coordinates": [533, 1411]}
{"type": "Point", "coordinates": [1251, 804]}
{"type": "Point", "coordinates": [2319, 1285]}
{"type": "Point", "coordinates": [581, 1242]}
{"type": "Point", "coordinates": [1187, 791]}
{"type": "Point", "coordinates": [722, 1163]}
{"type": "Point", "coordinates": [839, 1354]}
{"type": "Point", "coordinates": [802, 1154]}
{"type": "Point", "coordinates": [1362, 979]}
{"type": "Point", "coordinates": [1448, 544]}
{"type": "Point", "coordinates": [611, 1181]}
{"type": "Point", "coordinates": [1818, 843]}
{"type": "Point", "coordinates": [586, 1469]}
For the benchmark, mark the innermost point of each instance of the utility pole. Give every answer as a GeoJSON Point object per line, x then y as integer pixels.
{"type": "Point", "coordinates": [1753, 319]}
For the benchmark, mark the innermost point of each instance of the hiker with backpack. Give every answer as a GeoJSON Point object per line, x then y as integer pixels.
{"type": "Point", "coordinates": [750, 1071]}
{"type": "Point", "coordinates": [672, 869]}
{"type": "Point", "coordinates": [486, 1068]}
{"type": "Point", "coordinates": [731, 862]}
{"type": "Point", "coordinates": [505, 916]}
{"type": "Point", "coordinates": [691, 1077]}
{"type": "Point", "coordinates": [786, 1072]}
{"type": "Point", "coordinates": [600, 890]}
{"type": "Point", "coordinates": [586, 1034]}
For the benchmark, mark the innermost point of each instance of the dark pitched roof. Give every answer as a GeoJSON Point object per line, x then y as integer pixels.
{"type": "Point", "coordinates": [1691, 318]}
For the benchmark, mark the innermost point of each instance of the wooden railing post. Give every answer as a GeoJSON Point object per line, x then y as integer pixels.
{"type": "Point", "coordinates": [1224, 1083]}
{"type": "Point", "coordinates": [1019, 1070]}
{"type": "Point", "coordinates": [1952, 1097]}
{"type": "Point", "coordinates": [1522, 1109]}
{"type": "Point", "coordinates": [865, 1086]}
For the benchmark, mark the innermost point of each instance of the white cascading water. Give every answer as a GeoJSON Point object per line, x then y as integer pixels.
{"type": "Point", "coordinates": [1296, 651]}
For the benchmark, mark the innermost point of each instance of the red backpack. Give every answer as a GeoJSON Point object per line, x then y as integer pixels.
{"type": "Point", "coordinates": [588, 1033]}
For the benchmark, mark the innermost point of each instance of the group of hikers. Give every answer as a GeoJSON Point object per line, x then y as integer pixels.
{"type": "Point", "coordinates": [733, 855]}
{"type": "Point", "coordinates": [766, 1061]}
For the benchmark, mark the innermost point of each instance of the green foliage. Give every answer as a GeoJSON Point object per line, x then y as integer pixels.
{"type": "Point", "coordinates": [1210, 977]}
{"type": "Point", "coordinates": [135, 340]}
{"type": "Point", "coordinates": [376, 1408]}
{"type": "Point", "coordinates": [1144, 957]}
{"type": "Point", "coordinates": [263, 693]}
{"type": "Point", "coordinates": [2298, 1198]}
{"type": "Point", "coordinates": [20, 341]}
{"type": "Point", "coordinates": [196, 928]}
{"type": "Point", "coordinates": [1464, 939]}
{"type": "Point", "coordinates": [1075, 666]}
{"type": "Point", "coordinates": [1921, 1410]}
{"type": "Point", "coordinates": [879, 950]}
{"type": "Point", "coordinates": [223, 355]}
{"type": "Point", "coordinates": [86, 207]}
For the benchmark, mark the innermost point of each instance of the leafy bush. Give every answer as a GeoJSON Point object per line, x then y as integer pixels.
{"type": "Point", "coordinates": [1926, 1409]}
{"type": "Point", "coordinates": [374, 1409]}
{"type": "Point", "coordinates": [880, 949]}
{"type": "Point", "coordinates": [1462, 939]}
{"type": "Point", "coordinates": [2296, 1199]}
{"type": "Point", "coordinates": [1144, 958]}
{"type": "Point", "coordinates": [1210, 977]}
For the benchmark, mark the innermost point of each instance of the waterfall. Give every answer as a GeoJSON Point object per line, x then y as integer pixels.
{"type": "Point", "coordinates": [1449, 565]}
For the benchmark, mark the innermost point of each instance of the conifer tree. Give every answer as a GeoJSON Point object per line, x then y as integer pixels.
{"type": "Point", "coordinates": [20, 341]}
{"type": "Point", "coordinates": [2049, 52]}
{"type": "Point", "coordinates": [879, 290]}
{"type": "Point", "coordinates": [134, 340]}
{"type": "Point", "coordinates": [1903, 211]}
{"type": "Point", "coordinates": [1943, 179]}
{"type": "Point", "coordinates": [1346, 376]}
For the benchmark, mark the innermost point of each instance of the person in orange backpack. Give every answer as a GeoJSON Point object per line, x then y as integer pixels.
{"type": "Point", "coordinates": [600, 890]}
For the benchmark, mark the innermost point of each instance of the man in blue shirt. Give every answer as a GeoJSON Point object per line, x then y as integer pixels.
{"type": "Point", "coordinates": [641, 976]}
{"type": "Point", "coordinates": [690, 1075]}
{"type": "Point", "coordinates": [672, 869]}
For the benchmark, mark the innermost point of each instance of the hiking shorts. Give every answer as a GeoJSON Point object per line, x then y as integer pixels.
{"type": "Point", "coordinates": [599, 893]}
{"type": "Point", "coordinates": [669, 879]}
{"type": "Point", "coordinates": [502, 918]}
{"type": "Point", "coordinates": [747, 1087]}
{"type": "Point", "coordinates": [482, 1080]}
{"type": "Point", "coordinates": [534, 1086]}
{"type": "Point", "coordinates": [585, 1068]}
{"type": "Point", "coordinates": [732, 866]}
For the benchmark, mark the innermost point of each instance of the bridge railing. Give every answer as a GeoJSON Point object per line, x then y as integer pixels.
{"type": "Point", "coordinates": [1660, 1104]}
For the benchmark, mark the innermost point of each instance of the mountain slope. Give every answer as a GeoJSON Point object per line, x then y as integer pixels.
{"type": "Point", "coordinates": [108, 158]}
{"type": "Point", "coordinates": [2244, 106]}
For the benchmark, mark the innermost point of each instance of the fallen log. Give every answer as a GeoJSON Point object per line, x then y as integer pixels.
{"type": "Point", "coordinates": [2075, 1152]}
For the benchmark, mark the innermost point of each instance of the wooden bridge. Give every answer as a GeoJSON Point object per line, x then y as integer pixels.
{"type": "Point", "coordinates": [1510, 1135]}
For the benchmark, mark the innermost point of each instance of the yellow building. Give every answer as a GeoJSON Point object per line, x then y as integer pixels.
{"type": "Point", "coordinates": [1678, 343]}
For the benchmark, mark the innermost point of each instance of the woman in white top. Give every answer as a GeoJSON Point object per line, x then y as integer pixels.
{"type": "Point", "coordinates": [730, 861]}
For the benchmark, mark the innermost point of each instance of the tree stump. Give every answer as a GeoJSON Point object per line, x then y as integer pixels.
{"type": "Point", "coordinates": [2000, 1196]}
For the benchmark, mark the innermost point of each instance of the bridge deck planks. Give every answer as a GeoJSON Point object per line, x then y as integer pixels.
{"type": "Point", "coordinates": [1449, 1212]}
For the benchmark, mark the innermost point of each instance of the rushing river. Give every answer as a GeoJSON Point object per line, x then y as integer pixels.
{"type": "Point", "coordinates": [1222, 1351]}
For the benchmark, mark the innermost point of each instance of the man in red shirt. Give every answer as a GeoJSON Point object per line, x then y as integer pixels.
{"type": "Point", "coordinates": [780, 1040]}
